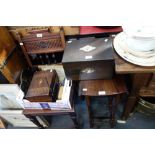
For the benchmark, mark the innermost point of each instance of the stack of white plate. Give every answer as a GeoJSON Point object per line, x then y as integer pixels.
{"type": "Point", "coordinates": [137, 45]}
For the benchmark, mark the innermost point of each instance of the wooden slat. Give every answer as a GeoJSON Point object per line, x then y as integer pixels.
{"type": "Point", "coordinates": [46, 112]}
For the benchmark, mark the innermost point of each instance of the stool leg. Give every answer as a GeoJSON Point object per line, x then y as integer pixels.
{"type": "Point", "coordinates": [110, 102]}
{"type": "Point", "coordinates": [74, 119]}
{"type": "Point", "coordinates": [114, 101]}
{"type": "Point", "coordinates": [114, 108]}
{"type": "Point", "coordinates": [89, 112]}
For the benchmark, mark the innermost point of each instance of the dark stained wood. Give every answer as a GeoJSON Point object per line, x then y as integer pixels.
{"type": "Point", "coordinates": [95, 64]}
{"type": "Point", "coordinates": [43, 87]}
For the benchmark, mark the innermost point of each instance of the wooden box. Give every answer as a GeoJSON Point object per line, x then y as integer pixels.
{"type": "Point", "coordinates": [89, 58]}
{"type": "Point", "coordinates": [41, 46]}
{"type": "Point", "coordinates": [63, 103]}
{"type": "Point", "coordinates": [42, 41]}
{"type": "Point", "coordinates": [43, 87]}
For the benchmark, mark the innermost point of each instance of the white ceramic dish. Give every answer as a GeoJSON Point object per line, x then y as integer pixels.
{"type": "Point", "coordinates": [141, 32]}
{"type": "Point", "coordinates": [140, 38]}
{"type": "Point", "coordinates": [141, 45]}
{"type": "Point", "coordinates": [146, 59]}
{"type": "Point", "coordinates": [122, 41]}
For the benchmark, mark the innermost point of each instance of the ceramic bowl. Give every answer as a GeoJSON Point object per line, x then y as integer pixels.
{"type": "Point", "coordinates": [140, 38]}
{"type": "Point", "coordinates": [141, 45]}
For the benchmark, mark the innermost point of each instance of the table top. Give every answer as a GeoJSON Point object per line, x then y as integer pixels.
{"type": "Point", "coordinates": [124, 67]}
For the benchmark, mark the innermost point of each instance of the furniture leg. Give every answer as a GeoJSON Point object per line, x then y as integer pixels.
{"type": "Point", "coordinates": [110, 102]}
{"type": "Point", "coordinates": [74, 119]}
{"type": "Point", "coordinates": [114, 108]}
{"type": "Point", "coordinates": [131, 102]}
{"type": "Point", "coordinates": [89, 110]}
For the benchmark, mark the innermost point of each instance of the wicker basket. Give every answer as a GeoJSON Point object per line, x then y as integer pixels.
{"type": "Point", "coordinates": [146, 105]}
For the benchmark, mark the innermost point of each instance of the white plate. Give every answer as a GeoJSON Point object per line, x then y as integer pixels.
{"type": "Point", "coordinates": [138, 58]}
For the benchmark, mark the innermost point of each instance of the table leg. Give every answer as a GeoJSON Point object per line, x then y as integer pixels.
{"type": "Point", "coordinates": [131, 103]}
{"type": "Point", "coordinates": [137, 81]}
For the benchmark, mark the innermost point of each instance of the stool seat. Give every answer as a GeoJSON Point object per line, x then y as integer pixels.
{"type": "Point", "coordinates": [112, 88]}
{"type": "Point", "coordinates": [102, 87]}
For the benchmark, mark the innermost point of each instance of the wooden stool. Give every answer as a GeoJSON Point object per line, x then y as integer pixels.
{"type": "Point", "coordinates": [113, 89]}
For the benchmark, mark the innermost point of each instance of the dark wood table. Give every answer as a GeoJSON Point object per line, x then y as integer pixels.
{"type": "Point", "coordinates": [140, 78]}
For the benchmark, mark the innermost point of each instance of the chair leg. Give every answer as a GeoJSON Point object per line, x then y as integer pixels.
{"type": "Point", "coordinates": [89, 111]}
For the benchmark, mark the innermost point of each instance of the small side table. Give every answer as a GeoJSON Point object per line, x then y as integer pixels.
{"type": "Point", "coordinates": [113, 89]}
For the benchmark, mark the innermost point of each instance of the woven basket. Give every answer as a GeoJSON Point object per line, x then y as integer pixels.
{"type": "Point", "coordinates": [146, 105]}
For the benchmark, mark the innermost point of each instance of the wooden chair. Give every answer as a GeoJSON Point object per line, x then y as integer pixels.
{"type": "Point", "coordinates": [113, 89]}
